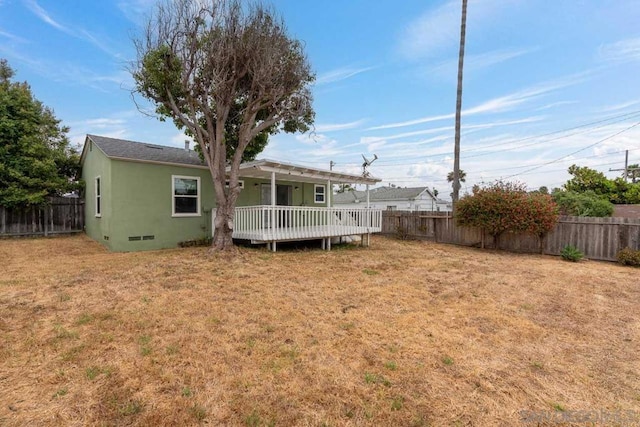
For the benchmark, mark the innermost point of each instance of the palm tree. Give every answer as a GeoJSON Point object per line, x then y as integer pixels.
{"type": "Point", "coordinates": [462, 176]}
{"type": "Point", "coordinates": [456, 151]}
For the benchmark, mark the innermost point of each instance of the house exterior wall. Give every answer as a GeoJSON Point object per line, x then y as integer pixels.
{"type": "Point", "coordinates": [137, 203]}
{"type": "Point", "coordinates": [97, 164]}
{"type": "Point", "coordinates": [141, 206]}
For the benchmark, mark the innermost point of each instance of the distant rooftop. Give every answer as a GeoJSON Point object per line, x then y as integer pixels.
{"type": "Point", "coordinates": [382, 194]}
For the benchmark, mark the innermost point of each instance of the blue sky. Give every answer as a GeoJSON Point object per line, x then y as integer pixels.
{"type": "Point", "coordinates": [547, 83]}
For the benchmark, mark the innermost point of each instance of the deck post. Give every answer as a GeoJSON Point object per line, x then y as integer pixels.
{"type": "Point", "coordinates": [328, 243]}
{"type": "Point", "coordinates": [273, 206]}
{"type": "Point", "coordinates": [367, 196]}
{"type": "Point", "coordinates": [323, 244]}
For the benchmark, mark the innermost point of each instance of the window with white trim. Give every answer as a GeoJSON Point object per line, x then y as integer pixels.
{"type": "Point", "coordinates": [240, 183]}
{"type": "Point", "coordinates": [98, 189]}
{"type": "Point", "coordinates": [185, 195]}
{"type": "Point", "coordinates": [319, 193]}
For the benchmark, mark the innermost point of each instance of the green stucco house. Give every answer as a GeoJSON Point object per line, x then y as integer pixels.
{"type": "Point", "coordinates": [143, 196]}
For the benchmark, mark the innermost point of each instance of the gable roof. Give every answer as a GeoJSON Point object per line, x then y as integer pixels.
{"type": "Point", "coordinates": [382, 194]}
{"type": "Point", "coordinates": [122, 149]}
{"type": "Point", "coordinates": [130, 150]}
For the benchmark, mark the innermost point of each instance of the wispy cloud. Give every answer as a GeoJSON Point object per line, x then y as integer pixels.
{"type": "Point", "coordinates": [44, 16]}
{"type": "Point", "coordinates": [331, 127]}
{"type": "Point", "coordinates": [439, 29]}
{"type": "Point", "coordinates": [340, 74]}
{"type": "Point", "coordinates": [79, 33]}
{"type": "Point", "coordinates": [12, 37]}
{"type": "Point", "coordinates": [499, 104]}
{"type": "Point", "coordinates": [555, 104]}
{"type": "Point", "coordinates": [618, 107]}
{"type": "Point", "coordinates": [621, 51]}
{"type": "Point", "coordinates": [474, 63]}
{"type": "Point", "coordinates": [134, 10]}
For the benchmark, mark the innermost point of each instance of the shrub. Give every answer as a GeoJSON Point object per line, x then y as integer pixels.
{"type": "Point", "coordinates": [571, 253]}
{"type": "Point", "coordinates": [628, 256]}
{"type": "Point", "coordinates": [507, 207]}
{"type": "Point", "coordinates": [583, 204]}
{"type": "Point", "coordinates": [402, 233]}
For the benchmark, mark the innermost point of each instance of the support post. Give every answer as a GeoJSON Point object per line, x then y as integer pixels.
{"type": "Point", "coordinates": [273, 205]}
{"type": "Point", "coordinates": [367, 196]}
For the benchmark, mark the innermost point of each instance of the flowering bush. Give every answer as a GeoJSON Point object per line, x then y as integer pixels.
{"type": "Point", "coordinates": [507, 207]}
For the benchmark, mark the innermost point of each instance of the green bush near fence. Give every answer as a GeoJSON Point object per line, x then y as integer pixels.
{"type": "Point", "coordinates": [571, 253]}
{"type": "Point", "coordinates": [628, 256]}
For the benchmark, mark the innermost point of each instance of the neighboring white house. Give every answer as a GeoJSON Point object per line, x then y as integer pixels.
{"type": "Point", "coordinates": [393, 198]}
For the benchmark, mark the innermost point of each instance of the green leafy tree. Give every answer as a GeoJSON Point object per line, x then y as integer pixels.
{"type": "Point", "coordinates": [36, 159]}
{"type": "Point", "coordinates": [587, 179]}
{"type": "Point", "coordinates": [582, 204]}
{"type": "Point", "coordinates": [229, 74]}
{"type": "Point", "coordinates": [508, 207]}
{"type": "Point", "coordinates": [633, 172]}
{"type": "Point", "coordinates": [617, 191]}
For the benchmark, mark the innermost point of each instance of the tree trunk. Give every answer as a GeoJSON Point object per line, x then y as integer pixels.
{"type": "Point", "coordinates": [456, 150]}
{"type": "Point", "coordinates": [223, 227]}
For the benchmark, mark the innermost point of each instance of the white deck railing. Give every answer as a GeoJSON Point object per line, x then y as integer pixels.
{"type": "Point", "coordinates": [278, 223]}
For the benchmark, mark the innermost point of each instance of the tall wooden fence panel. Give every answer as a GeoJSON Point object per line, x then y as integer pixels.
{"type": "Point", "coordinates": [597, 238]}
{"type": "Point", "coordinates": [60, 215]}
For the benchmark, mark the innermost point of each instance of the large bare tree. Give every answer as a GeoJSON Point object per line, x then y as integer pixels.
{"type": "Point", "coordinates": [227, 72]}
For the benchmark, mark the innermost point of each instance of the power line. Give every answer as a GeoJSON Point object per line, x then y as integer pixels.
{"type": "Point", "coordinates": [621, 117]}
{"type": "Point", "coordinates": [577, 151]}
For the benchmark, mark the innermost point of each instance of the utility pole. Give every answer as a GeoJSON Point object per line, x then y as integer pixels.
{"type": "Point", "coordinates": [456, 150]}
{"type": "Point", "coordinates": [626, 166]}
{"type": "Point", "coordinates": [331, 165]}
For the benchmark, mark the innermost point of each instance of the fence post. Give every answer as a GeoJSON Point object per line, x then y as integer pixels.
{"type": "Point", "coordinates": [45, 208]}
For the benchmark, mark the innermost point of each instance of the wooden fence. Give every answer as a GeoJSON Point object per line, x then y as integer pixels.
{"type": "Point", "coordinates": [60, 215]}
{"type": "Point", "coordinates": [597, 238]}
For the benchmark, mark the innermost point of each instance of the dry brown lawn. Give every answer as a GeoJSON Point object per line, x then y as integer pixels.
{"type": "Point", "coordinates": [402, 333]}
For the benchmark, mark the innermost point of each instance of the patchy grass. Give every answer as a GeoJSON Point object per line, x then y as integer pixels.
{"type": "Point", "coordinates": [402, 333]}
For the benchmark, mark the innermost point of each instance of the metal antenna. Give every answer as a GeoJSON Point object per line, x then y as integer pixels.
{"type": "Point", "coordinates": [367, 163]}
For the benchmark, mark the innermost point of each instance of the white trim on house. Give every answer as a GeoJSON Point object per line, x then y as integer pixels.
{"type": "Point", "coordinates": [174, 195]}
{"type": "Point", "coordinates": [323, 193]}
{"type": "Point", "coordinates": [98, 195]}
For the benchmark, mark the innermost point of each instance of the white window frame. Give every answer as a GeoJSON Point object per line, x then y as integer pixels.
{"type": "Point", "coordinates": [173, 196]}
{"type": "Point", "coordinates": [316, 194]}
{"type": "Point", "coordinates": [97, 188]}
{"type": "Point", "coordinates": [240, 184]}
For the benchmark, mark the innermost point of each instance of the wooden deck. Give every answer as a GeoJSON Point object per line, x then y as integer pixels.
{"type": "Point", "coordinates": [269, 224]}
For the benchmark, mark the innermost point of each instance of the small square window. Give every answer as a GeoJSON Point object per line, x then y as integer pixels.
{"type": "Point", "coordinates": [319, 193]}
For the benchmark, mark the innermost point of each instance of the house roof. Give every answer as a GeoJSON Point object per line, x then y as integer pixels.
{"type": "Point", "coordinates": [130, 150]}
{"type": "Point", "coordinates": [382, 194]}
{"type": "Point", "coordinates": [123, 149]}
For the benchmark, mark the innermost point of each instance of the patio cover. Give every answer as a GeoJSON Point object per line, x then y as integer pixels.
{"type": "Point", "coordinates": [264, 167]}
